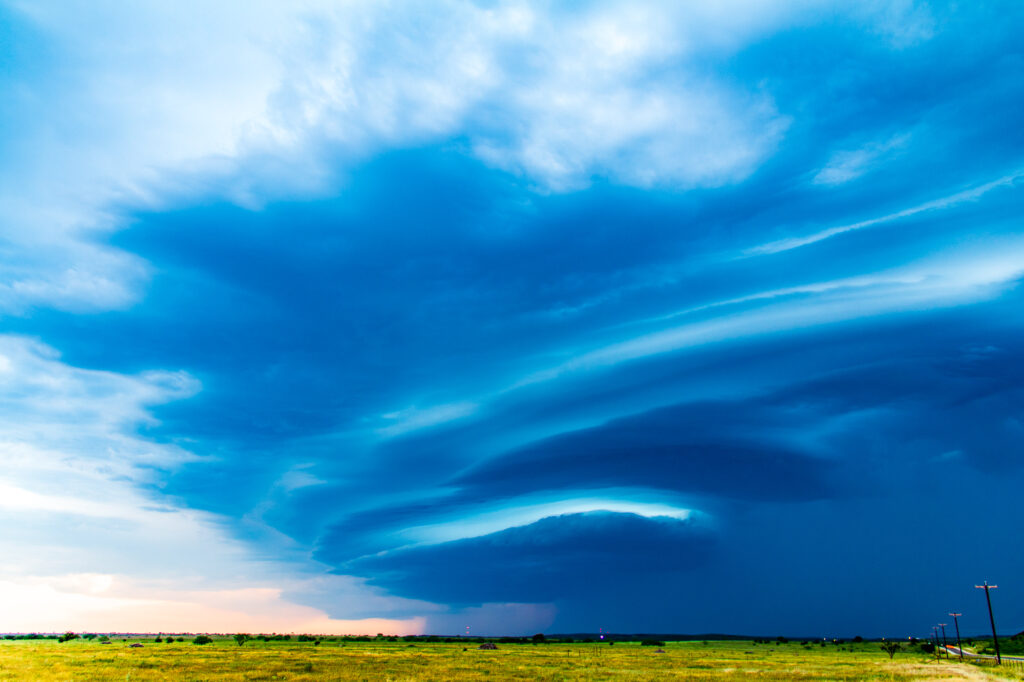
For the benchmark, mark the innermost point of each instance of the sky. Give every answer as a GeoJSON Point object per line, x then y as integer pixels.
{"type": "Point", "coordinates": [351, 317]}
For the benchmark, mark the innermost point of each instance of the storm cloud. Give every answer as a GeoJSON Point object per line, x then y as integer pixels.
{"type": "Point", "coordinates": [517, 315]}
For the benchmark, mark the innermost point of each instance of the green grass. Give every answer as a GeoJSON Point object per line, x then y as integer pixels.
{"type": "Point", "coordinates": [224, 660]}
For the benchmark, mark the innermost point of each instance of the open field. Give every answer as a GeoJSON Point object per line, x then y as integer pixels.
{"type": "Point", "coordinates": [224, 660]}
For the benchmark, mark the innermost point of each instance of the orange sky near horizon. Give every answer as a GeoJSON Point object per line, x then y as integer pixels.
{"type": "Point", "coordinates": [101, 603]}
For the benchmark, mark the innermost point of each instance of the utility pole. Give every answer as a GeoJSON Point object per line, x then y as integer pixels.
{"type": "Point", "coordinates": [935, 638]}
{"type": "Point", "coordinates": [956, 623]}
{"type": "Point", "coordinates": [995, 638]}
{"type": "Point", "coordinates": [945, 647]}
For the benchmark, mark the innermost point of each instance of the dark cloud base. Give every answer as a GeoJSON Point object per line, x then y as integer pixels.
{"type": "Point", "coordinates": [561, 557]}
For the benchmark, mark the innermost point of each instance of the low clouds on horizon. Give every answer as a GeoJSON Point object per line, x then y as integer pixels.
{"type": "Point", "coordinates": [512, 316]}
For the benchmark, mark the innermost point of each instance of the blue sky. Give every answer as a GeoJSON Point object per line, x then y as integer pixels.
{"type": "Point", "coordinates": [526, 317]}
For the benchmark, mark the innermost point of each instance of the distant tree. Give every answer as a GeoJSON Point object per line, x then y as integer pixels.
{"type": "Point", "coordinates": [202, 639]}
{"type": "Point", "coordinates": [651, 642]}
{"type": "Point", "coordinates": [241, 638]}
{"type": "Point", "coordinates": [159, 639]}
{"type": "Point", "coordinates": [858, 639]}
{"type": "Point", "coordinates": [89, 636]}
{"type": "Point", "coordinates": [539, 638]}
{"type": "Point", "coordinates": [104, 638]}
{"type": "Point", "coordinates": [169, 640]}
{"type": "Point", "coordinates": [781, 640]}
{"type": "Point", "coordinates": [67, 637]}
{"type": "Point", "coordinates": [891, 648]}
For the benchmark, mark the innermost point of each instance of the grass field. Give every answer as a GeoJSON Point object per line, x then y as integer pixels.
{"type": "Point", "coordinates": [224, 660]}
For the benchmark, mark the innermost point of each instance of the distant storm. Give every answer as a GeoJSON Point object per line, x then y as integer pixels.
{"type": "Point", "coordinates": [641, 316]}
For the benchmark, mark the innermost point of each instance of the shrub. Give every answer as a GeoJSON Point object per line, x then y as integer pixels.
{"type": "Point", "coordinates": [891, 648]}
{"type": "Point", "coordinates": [202, 639]}
{"type": "Point", "coordinates": [241, 639]}
{"type": "Point", "coordinates": [651, 642]}
{"type": "Point", "coordinates": [67, 637]}
{"type": "Point", "coordinates": [159, 640]}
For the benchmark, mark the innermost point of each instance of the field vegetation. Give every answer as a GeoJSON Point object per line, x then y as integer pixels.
{"type": "Point", "coordinates": [181, 657]}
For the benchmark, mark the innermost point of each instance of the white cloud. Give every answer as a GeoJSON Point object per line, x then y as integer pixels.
{"type": "Point", "coordinates": [948, 280]}
{"type": "Point", "coordinates": [956, 277]}
{"type": "Point", "coordinates": [81, 509]}
{"type": "Point", "coordinates": [848, 165]}
{"type": "Point", "coordinates": [50, 407]}
{"type": "Point", "coordinates": [149, 104]}
{"type": "Point", "coordinates": [904, 23]}
{"type": "Point", "coordinates": [965, 196]}
{"type": "Point", "coordinates": [414, 418]}
{"type": "Point", "coordinates": [146, 105]}
{"type": "Point", "coordinates": [521, 512]}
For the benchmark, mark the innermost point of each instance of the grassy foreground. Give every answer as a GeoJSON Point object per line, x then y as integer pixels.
{"type": "Point", "coordinates": [223, 660]}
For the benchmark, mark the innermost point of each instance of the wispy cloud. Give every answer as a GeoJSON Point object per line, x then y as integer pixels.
{"type": "Point", "coordinates": [848, 165]}
{"type": "Point", "coordinates": [950, 201]}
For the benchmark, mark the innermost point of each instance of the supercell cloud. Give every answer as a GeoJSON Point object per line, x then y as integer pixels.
{"type": "Point", "coordinates": [509, 315]}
